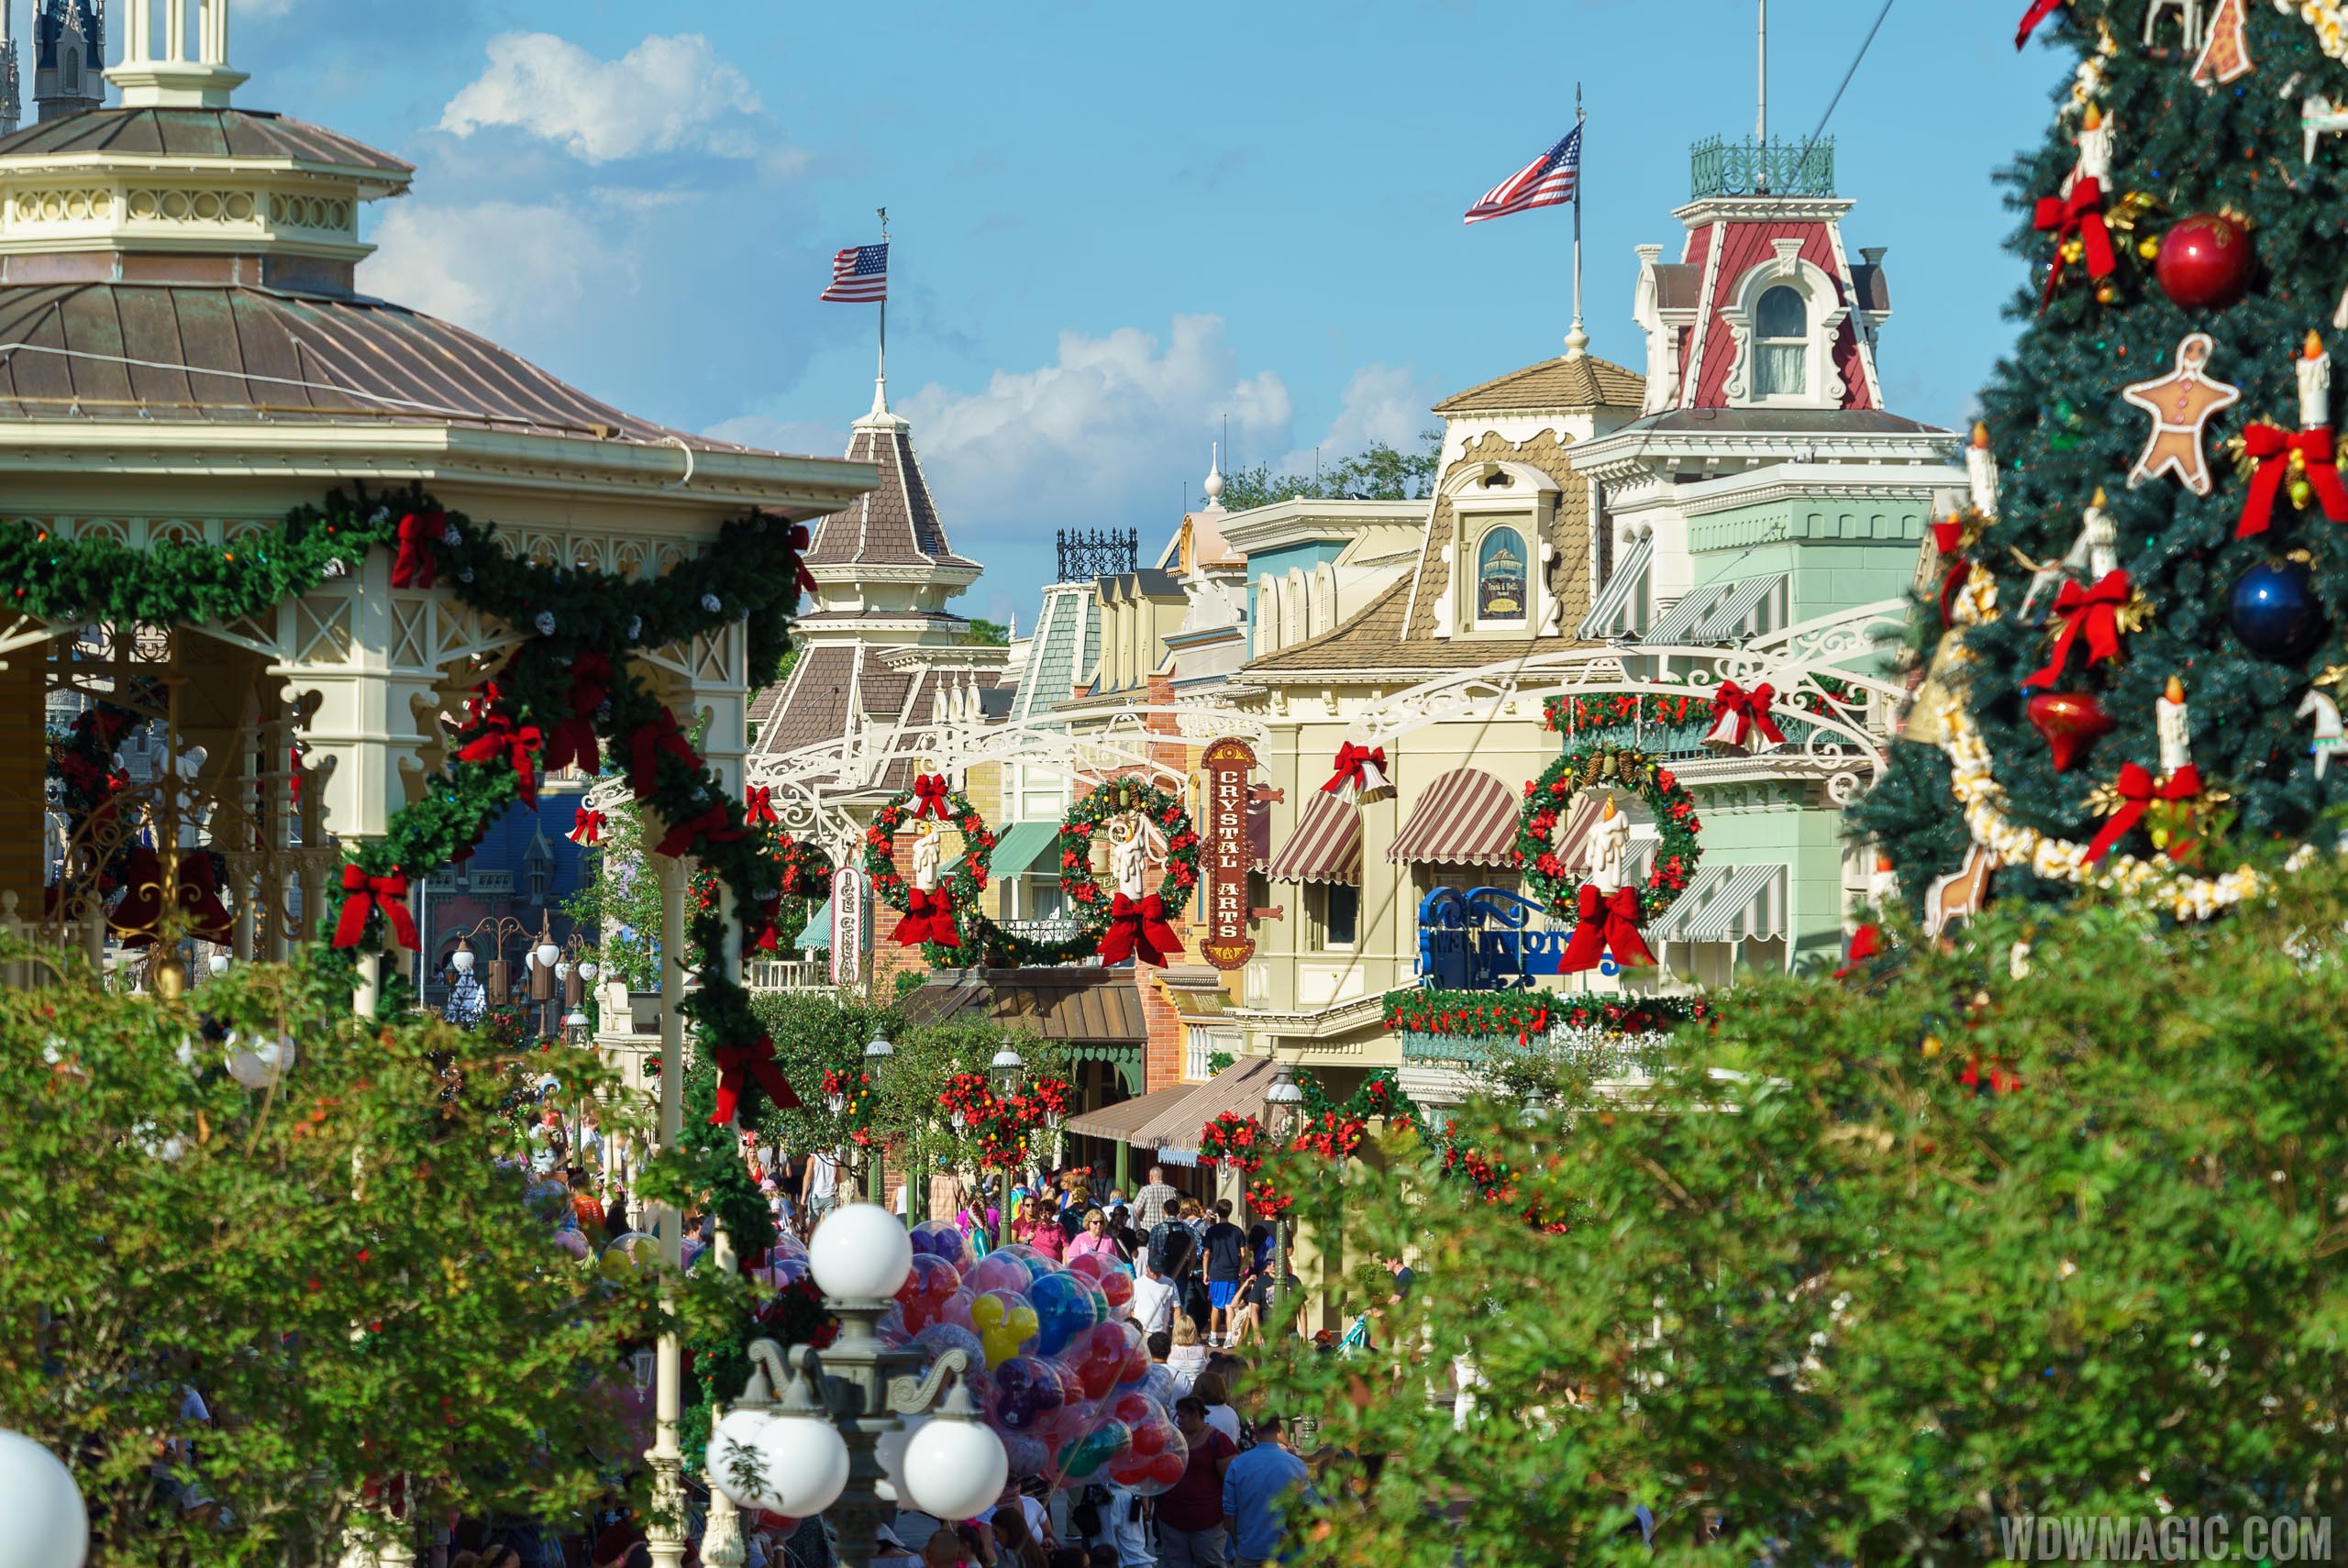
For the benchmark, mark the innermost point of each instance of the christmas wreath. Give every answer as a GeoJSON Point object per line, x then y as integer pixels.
{"type": "Point", "coordinates": [934, 921]}
{"type": "Point", "coordinates": [1606, 921]}
{"type": "Point", "coordinates": [1098, 918]}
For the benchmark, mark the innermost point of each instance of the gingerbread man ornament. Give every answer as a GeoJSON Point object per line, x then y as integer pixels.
{"type": "Point", "coordinates": [2181, 403]}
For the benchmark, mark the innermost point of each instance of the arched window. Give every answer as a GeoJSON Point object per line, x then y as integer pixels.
{"type": "Point", "coordinates": [1501, 577]}
{"type": "Point", "coordinates": [1782, 344]}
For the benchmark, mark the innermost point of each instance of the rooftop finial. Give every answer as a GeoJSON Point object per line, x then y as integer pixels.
{"type": "Point", "coordinates": [174, 81]}
{"type": "Point", "coordinates": [1214, 476]}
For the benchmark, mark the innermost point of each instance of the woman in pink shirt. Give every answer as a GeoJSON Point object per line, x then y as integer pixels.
{"type": "Point", "coordinates": [1038, 1229]}
{"type": "Point", "coordinates": [1094, 1239]}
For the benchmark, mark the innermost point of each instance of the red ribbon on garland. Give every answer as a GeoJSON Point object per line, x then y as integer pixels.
{"type": "Point", "coordinates": [1751, 712]}
{"type": "Point", "coordinates": [711, 826]}
{"type": "Point", "coordinates": [1866, 942]}
{"type": "Point", "coordinates": [362, 895]}
{"type": "Point", "coordinates": [801, 542]}
{"type": "Point", "coordinates": [2039, 11]}
{"type": "Point", "coordinates": [1354, 763]}
{"type": "Point", "coordinates": [2137, 793]}
{"type": "Point", "coordinates": [2092, 611]}
{"type": "Point", "coordinates": [647, 742]}
{"type": "Point", "coordinates": [741, 1066]}
{"type": "Point", "coordinates": [929, 798]}
{"type": "Point", "coordinates": [1138, 928]}
{"type": "Point", "coordinates": [500, 737]}
{"type": "Point", "coordinates": [2271, 447]}
{"type": "Point", "coordinates": [413, 567]}
{"type": "Point", "coordinates": [2080, 212]}
{"type": "Point", "coordinates": [929, 917]}
{"type": "Point", "coordinates": [1608, 923]}
{"type": "Point", "coordinates": [758, 806]}
{"type": "Point", "coordinates": [573, 740]}
{"type": "Point", "coordinates": [587, 828]}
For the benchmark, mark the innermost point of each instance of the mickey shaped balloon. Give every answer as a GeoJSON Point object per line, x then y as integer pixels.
{"type": "Point", "coordinates": [1066, 1306]}
{"type": "Point", "coordinates": [942, 1238]}
{"type": "Point", "coordinates": [1099, 1355]}
{"type": "Point", "coordinates": [1155, 1457]}
{"type": "Point", "coordinates": [999, 1271]}
{"type": "Point", "coordinates": [1005, 1323]}
{"type": "Point", "coordinates": [1026, 1394]}
{"type": "Point", "coordinates": [1112, 1278]}
{"type": "Point", "coordinates": [929, 1285]}
{"type": "Point", "coordinates": [1080, 1459]}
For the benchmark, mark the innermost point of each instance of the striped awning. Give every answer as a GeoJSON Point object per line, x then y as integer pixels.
{"type": "Point", "coordinates": [1021, 846]}
{"type": "Point", "coordinates": [815, 936]}
{"type": "Point", "coordinates": [1727, 903]}
{"type": "Point", "coordinates": [1468, 819]}
{"type": "Point", "coordinates": [1616, 610]}
{"type": "Point", "coordinates": [1326, 846]}
{"type": "Point", "coordinates": [1720, 611]}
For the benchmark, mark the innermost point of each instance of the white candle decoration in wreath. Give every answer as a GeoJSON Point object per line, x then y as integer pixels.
{"type": "Point", "coordinates": [1607, 911]}
{"type": "Point", "coordinates": [937, 914]}
{"type": "Point", "coordinates": [1100, 926]}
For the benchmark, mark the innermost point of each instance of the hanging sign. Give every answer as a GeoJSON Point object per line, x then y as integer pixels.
{"type": "Point", "coordinates": [851, 923]}
{"type": "Point", "coordinates": [1227, 764]}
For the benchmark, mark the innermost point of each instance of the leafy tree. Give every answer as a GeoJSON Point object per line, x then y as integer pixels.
{"type": "Point", "coordinates": [1379, 473]}
{"type": "Point", "coordinates": [338, 1263]}
{"type": "Point", "coordinates": [1867, 1276]}
{"type": "Point", "coordinates": [987, 634]}
{"type": "Point", "coordinates": [619, 900]}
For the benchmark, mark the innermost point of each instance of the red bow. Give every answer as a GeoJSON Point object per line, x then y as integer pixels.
{"type": "Point", "coordinates": [929, 917]}
{"type": "Point", "coordinates": [756, 1063]}
{"type": "Point", "coordinates": [1608, 923]}
{"type": "Point", "coordinates": [2272, 445]}
{"type": "Point", "coordinates": [2039, 11]}
{"type": "Point", "coordinates": [801, 542]}
{"type": "Point", "coordinates": [759, 802]}
{"type": "Point", "coordinates": [200, 896]}
{"type": "Point", "coordinates": [929, 797]}
{"type": "Point", "coordinates": [711, 826]}
{"type": "Point", "coordinates": [588, 825]}
{"type": "Point", "coordinates": [2137, 793]}
{"type": "Point", "coordinates": [362, 895]}
{"type": "Point", "coordinates": [645, 744]}
{"type": "Point", "coordinates": [1354, 762]}
{"type": "Point", "coordinates": [2094, 610]}
{"type": "Point", "coordinates": [1138, 928]}
{"type": "Point", "coordinates": [2080, 212]}
{"type": "Point", "coordinates": [767, 938]}
{"type": "Point", "coordinates": [499, 737]}
{"type": "Point", "coordinates": [573, 740]}
{"type": "Point", "coordinates": [1751, 711]}
{"type": "Point", "coordinates": [1866, 942]}
{"type": "Point", "coordinates": [413, 566]}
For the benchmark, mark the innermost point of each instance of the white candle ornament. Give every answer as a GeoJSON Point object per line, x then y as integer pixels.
{"type": "Point", "coordinates": [1610, 849]}
{"type": "Point", "coordinates": [1981, 472]}
{"type": "Point", "coordinates": [2101, 536]}
{"type": "Point", "coordinates": [926, 850]}
{"type": "Point", "coordinates": [2095, 147]}
{"type": "Point", "coordinates": [2175, 727]}
{"type": "Point", "coordinates": [2314, 368]}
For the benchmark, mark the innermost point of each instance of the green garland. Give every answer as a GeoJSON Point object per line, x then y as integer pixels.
{"type": "Point", "coordinates": [1556, 886]}
{"type": "Point", "coordinates": [1074, 846]}
{"type": "Point", "coordinates": [1474, 1014]}
{"type": "Point", "coordinates": [750, 573]}
{"type": "Point", "coordinates": [964, 883]}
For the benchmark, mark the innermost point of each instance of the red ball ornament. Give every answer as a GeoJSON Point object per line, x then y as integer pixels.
{"type": "Point", "coordinates": [2205, 262]}
{"type": "Point", "coordinates": [2070, 722]}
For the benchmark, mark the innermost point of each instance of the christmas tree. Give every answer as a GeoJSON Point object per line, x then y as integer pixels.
{"type": "Point", "coordinates": [2129, 635]}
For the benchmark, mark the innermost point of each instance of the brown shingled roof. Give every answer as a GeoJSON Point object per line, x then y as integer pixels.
{"type": "Point", "coordinates": [897, 524]}
{"type": "Point", "coordinates": [1561, 382]}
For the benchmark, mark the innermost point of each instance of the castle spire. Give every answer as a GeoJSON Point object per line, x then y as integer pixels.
{"type": "Point", "coordinates": [174, 81]}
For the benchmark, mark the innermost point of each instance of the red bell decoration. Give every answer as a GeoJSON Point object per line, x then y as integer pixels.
{"type": "Point", "coordinates": [2069, 722]}
{"type": "Point", "coordinates": [2206, 261]}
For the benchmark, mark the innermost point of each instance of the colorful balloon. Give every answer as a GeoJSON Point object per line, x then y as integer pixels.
{"type": "Point", "coordinates": [928, 1288]}
{"type": "Point", "coordinates": [1154, 1459]}
{"type": "Point", "coordinates": [1066, 1306]}
{"type": "Point", "coordinates": [1026, 1394]}
{"type": "Point", "coordinates": [1080, 1459]}
{"type": "Point", "coordinates": [942, 1238]}
{"type": "Point", "coordinates": [1000, 1270]}
{"type": "Point", "coordinates": [1005, 1323]}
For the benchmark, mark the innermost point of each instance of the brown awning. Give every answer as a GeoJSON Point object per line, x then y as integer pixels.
{"type": "Point", "coordinates": [1077, 1003]}
{"type": "Point", "coordinates": [1468, 819]}
{"type": "Point", "coordinates": [1239, 1088]}
{"type": "Point", "coordinates": [1122, 1122]}
{"type": "Point", "coordinates": [1326, 846]}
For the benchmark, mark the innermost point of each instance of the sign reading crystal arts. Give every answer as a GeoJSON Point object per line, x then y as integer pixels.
{"type": "Point", "coordinates": [1226, 766]}
{"type": "Point", "coordinates": [851, 914]}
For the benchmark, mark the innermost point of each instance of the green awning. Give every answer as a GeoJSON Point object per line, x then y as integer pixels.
{"type": "Point", "coordinates": [1018, 847]}
{"type": "Point", "coordinates": [817, 933]}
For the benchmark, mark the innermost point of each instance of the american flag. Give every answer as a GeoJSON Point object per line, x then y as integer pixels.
{"type": "Point", "coordinates": [860, 275]}
{"type": "Point", "coordinates": [1548, 181]}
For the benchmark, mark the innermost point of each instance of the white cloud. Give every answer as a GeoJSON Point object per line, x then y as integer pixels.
{"type": "Point", "coordinates": [1382, 403]}
{"type": "Point", "coordinates": [667, 95]}
{"type": "Point", "coordinates": [495, 268]}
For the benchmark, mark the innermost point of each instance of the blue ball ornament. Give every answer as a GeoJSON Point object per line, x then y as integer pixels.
{"type": "Point", "coordinates": [2274, 611]}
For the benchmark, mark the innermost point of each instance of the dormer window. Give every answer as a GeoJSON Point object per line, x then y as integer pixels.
{"type": "Point", "coordinates": [1503, 582]}
{"type": "Point", "coordinates": [1781, 347]}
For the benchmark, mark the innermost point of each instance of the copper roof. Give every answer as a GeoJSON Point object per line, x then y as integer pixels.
{"type": "Point", "coordinates": [219, 354]}
{"type": "Point", "coordinates": [1081, 1004]}
{"type": "Point", "coordinates": [896, 524]}
{"type": "Point", "coordinates": [1468, 819]}
{"type": "Point", "coordinates": [198, 133]}
{"type": "Point", "coordinates": [1585, 382]}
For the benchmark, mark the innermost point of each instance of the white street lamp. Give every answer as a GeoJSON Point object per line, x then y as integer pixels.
{"type": "Point", "coordinates": [562, 969]}
{"type": "Point", "coordinates": [218, 964]}
{"type": "Point", "coordinates": [1283, 1104]}
{"type": "Point", "coordinates": [461, 960]}
{"type": "Point", "coordinates": [589, 969]}
{"type": "Point", "coordinates": [547, 954]}
{"type": "Point", "coordinates": [48, 1526]}
{"type": "Point", "coordinates": [1008, 1068]}
{"type": "Point", "coordinates": [860, 1254]}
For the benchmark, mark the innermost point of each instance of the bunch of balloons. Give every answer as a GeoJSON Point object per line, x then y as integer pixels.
{"type": "Point", "coordinates": [1062, 1377]}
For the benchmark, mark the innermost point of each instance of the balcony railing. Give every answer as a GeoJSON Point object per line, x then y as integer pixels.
{"type": "Point", "coordinates": [788, 975]}
{"type": "Point", "coordinates": [1750, 167]}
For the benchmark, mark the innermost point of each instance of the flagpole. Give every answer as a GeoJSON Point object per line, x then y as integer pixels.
{"type": "Point", "coordinates": [1577, 341]}
{"type": "Point", "coordinates": [880, 376]}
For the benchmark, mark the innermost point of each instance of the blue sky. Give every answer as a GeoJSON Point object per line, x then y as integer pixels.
{"type": "Point", "coordinates": [1117, 226]}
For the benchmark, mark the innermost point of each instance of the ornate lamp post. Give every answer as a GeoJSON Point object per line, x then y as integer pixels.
{"type": "Point", "coordinates": [1009, 1070]}
{"type": "Point", "coordinates": [877, 1053]}
{"type": "Point", "coordinates": [818, 1447]}
{"type": "Point", "coordinates": [1283, 1105]}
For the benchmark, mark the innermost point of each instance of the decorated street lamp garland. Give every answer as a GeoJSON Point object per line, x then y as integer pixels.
{"type": "Point", "coordinates": [935, 914]}
{"type": "Point", "coordinates": [563, 696]}
{"type": "Point", "coordinates": [1608, 911]}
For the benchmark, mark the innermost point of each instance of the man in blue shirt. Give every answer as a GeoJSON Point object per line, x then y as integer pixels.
{"type": "Point", "coordinates": [1254, 1495]}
